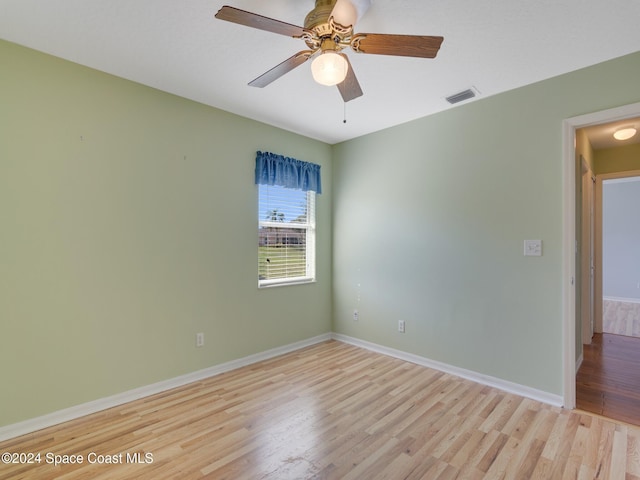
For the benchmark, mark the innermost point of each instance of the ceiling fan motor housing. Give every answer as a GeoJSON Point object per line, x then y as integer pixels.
{"type": "Point", "coordinates": [319, 16]}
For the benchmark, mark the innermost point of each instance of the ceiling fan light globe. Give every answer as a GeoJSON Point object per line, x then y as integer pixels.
{"type": "Point", "coordinates": [345, 13]}
{"type": "Point", "coordinates": [329, 68]}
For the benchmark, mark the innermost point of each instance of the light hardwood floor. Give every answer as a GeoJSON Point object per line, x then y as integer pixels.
{"type": "Point", "coordinates": [621, 318]}
{"type": "Point", "coordinates": [335, 411]}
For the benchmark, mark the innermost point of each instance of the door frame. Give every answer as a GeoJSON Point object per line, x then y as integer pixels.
{"type": "Point", "coordinates": [569, 127]}
{"type": "Point", "coordinates": [587, 260]}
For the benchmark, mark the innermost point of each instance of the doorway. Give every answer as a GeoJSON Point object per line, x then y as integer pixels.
{"type": "Point", "coordinates": [572, 301]}
{"type": "Point", "coordinates": [605, 260]}
{"type": "Point", "coordinates": [608, 379]}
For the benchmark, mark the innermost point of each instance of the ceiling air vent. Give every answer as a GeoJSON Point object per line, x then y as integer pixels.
{"type": "Point", "coordinates": [462, 96]}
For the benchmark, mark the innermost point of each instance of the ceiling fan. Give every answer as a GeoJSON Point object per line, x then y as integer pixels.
{"type": "Point", "coordinates": [328, 29]}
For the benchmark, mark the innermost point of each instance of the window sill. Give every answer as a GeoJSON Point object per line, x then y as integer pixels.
{"type": "Point", "coordinates": [285, 282]}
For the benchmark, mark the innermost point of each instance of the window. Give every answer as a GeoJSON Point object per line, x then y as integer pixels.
{"type": "Point", "coordinates": [287, 191]}
{"type": "Point", "coordinates": [286, 235]}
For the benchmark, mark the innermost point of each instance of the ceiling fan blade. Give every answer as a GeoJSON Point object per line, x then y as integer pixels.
{"type": "Point", "coordinates": [284, 67]}
{"type": "Point", "coordinates": [349, 88]}
{"type": "Point", "coordinates": [348, 12]}
{"type": "Point", "coordinates": [402, 45]}
{"type": "Point", "coordinates": [235, 15]}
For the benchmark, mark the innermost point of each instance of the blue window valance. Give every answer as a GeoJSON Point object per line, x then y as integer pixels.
{"type": "Point", "coordinates": [272, 169]}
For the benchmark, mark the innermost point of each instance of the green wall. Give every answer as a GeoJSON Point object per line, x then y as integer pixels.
{"type": "Point", "coordinates": [129, 224]}
{"type": "Point", "coordinates": [430, 219]}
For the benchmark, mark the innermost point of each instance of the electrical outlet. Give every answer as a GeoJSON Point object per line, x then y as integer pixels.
{"type": "Point", "coordinates": [356, 315]}
{"type": "Point", "coordinates": [199, 339]}
{"type": "Point", "coordinates": [401, 326]}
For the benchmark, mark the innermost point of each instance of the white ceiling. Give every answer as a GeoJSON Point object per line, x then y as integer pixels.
{"type": "Point", "coordinates": [179, 47]}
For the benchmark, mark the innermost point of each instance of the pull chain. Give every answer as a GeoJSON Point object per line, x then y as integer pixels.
{"type": "Point", "coordinates": [345, 113]}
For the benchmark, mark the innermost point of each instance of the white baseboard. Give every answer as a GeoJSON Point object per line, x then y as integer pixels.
{"type": "Point", "coordinates": [60, 416]}
{"type": "Point", "coordinates": [71, 413]}
{"type": "Point", "coordinates": [522, 390]}
{"type": "Point", "coordinates": [621, 299]}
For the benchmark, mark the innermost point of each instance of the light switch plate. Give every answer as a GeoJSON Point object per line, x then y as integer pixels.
{"type": "Point", "coordinates": [533, 248]}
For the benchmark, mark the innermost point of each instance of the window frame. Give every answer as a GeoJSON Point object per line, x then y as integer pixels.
{"type": "Point", "coordinates": [310, 240]}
